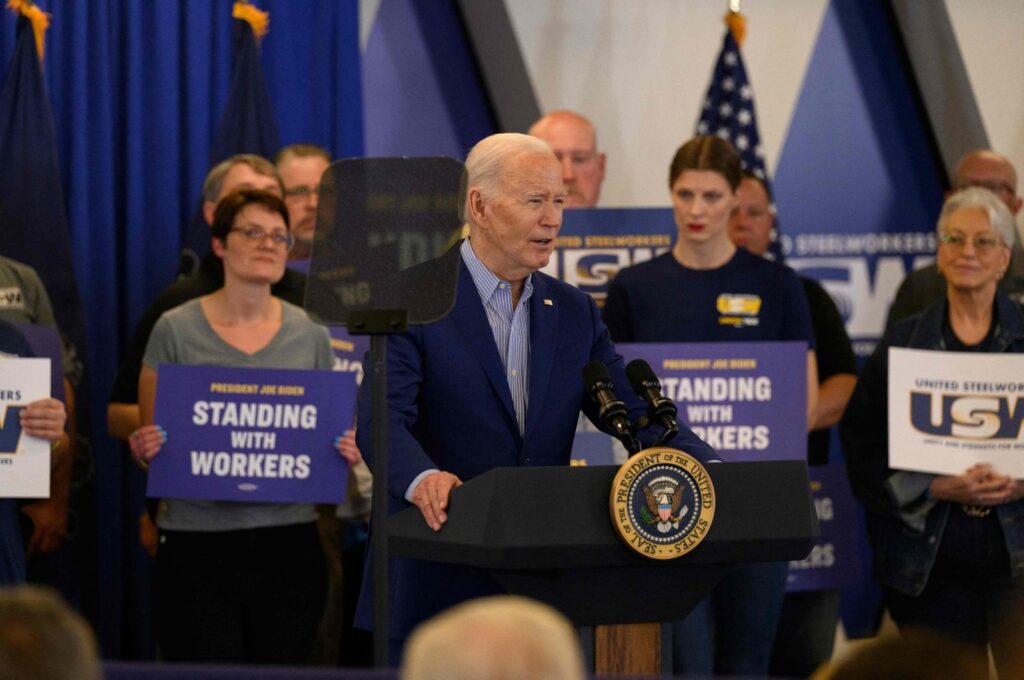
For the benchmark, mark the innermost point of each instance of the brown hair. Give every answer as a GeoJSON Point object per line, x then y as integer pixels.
{"type": "Point", "coordinates": [302, 151]}
{"type": "Point", "coordinates": [707, 153]}
{"type": "Point", "coordinates": [232, 204]}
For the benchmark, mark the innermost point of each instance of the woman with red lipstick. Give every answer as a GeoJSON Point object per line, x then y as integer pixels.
{"type": "Point", "coordinates": [708, 290]}
{"type": "Point", "coordinates": [949, 549]}
{"type": "Point", "coordinates": [237, 582]}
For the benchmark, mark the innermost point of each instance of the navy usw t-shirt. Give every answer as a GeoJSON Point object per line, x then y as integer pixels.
{"type": "Point", "coordinates": [748, 299]}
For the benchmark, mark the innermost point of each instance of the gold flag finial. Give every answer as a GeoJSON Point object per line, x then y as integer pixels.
{"type": "Point", "coordinates": [737, 24]}
{"type": "Point", "coordinates": [39, 19]}
{"type": "Point", "coordinates": [255, 17]}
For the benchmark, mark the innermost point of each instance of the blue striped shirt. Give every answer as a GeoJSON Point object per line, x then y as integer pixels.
{"type": "Point", "coordinates": [511, 327]}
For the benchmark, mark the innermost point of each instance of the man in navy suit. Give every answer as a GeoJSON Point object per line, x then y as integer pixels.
{"type": "Point", "coordinates": [497, 382]}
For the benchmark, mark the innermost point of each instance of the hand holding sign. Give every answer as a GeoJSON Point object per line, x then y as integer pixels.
{"type": "Point", "coordinates": [146, 442]}
{"type": "Point", "coordinates": [44, 418]}
{"type": "Point", "coordinates": [346, 445]}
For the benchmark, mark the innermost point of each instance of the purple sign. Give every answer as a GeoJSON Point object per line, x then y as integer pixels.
{"type": "Point", "coordinates": [243, 434]}
{"type": "Point", "coordinates": [832, 562]}
{"type": "Point", "coordinates": [349, 351]}
{"type": "Point", "coordinates": [739, 397]}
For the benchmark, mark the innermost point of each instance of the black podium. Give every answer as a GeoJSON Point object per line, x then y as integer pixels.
{"type": "Point", "coordinates": [546, 533]}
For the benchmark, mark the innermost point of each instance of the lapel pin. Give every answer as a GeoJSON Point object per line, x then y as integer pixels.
{"type": "Point", "coordinates": [548, 302]}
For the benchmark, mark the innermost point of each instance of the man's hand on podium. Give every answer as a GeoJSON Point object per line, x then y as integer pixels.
{"type": "Point", "coordinates": [431, 497]}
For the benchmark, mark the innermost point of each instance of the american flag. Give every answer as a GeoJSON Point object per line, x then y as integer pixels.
{"type": "Point", "coordinates": [728, 112]}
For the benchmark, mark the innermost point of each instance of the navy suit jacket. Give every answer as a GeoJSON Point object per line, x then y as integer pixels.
{"type": "Point", "coordinates": [450, 408]}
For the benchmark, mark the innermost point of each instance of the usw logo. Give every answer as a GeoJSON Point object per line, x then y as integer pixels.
{"type": "Point", "coordinates": [10, 428]}
{"type": "Point", "coordinates": [969, 417]}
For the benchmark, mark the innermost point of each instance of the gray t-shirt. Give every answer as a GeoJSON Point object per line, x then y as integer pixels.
{"type": "Point", "coordinates": [184, 336]}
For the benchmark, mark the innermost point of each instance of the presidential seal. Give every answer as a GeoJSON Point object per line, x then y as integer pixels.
{"type": "Point", "coordinates": [662, 503]}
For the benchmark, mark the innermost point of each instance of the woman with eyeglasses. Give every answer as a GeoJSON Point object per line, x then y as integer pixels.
{"type": "Point", "coordinates": [949, 549]}
{"type": "Point", "coordinates": [237, 582]}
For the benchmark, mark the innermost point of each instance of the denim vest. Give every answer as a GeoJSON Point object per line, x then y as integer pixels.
{"type": "Point", "coordinates": [906, 542]}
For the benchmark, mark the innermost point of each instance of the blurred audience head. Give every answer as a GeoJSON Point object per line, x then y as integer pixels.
{"type": "Point", "coordinates": [301, 167]}
{"type": "Point", "coordinates": [574, 141]}
{"type": "Point", "coordinates": [42, 638]}
{"type": "Point", "coordinates": [244, 171]}
{"type": "Point", "coordinates": [989, 170]}
{"type": "Point", "coordinates": [912, 655]}
{"type": "Point", "coordinates": [496, 638]}
{"type": "Point", "coordinates": [753, 221]}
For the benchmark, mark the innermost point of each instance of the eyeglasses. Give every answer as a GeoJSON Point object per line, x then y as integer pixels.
{"type": "Point", "coordinates": [982, 243]}
{"type": "Point", "coordinates": [255, 236]}
{"type": "Point", "coordinates": [577, 158]}
{"type": "Point", "coordinates": [996, 187]}
{"type": "Point", "coordinates": [299, 192]}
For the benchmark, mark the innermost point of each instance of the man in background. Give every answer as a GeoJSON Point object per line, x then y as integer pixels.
{"type": "Point", "coordinates": [301, 167]}
{"type": "Point", "coordinates": [574, 141]}
{"type": "Point", "coordinates": [806, 629]}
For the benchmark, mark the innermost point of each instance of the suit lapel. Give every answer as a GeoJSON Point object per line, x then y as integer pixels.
{"type": "Point", "coordinates": [471, 320]}
{"type": "Point", "coordinates": [543, 338]}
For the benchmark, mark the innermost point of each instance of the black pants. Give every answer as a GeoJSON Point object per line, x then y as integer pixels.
{"type": "Point", "coordinates": [247, 596]}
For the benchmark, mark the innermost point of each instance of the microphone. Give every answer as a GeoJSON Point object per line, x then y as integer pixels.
{"type": "Point", "coordinates": [660, 409]}
{"type": "Point", "coordinates": [612, 413]}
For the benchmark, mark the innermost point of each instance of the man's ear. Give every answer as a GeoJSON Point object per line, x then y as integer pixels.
{"type": "Point", "coordinates": [476, 206]}
{"type": "Point", "coordinates": [218, 246]}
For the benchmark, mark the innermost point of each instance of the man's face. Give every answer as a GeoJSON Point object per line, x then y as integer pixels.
{"type": "Point", "coordinates": [301, 178]}
{"type": "Point", "coordinates": [573, 142]}
{"type": "Point", "coordinates": [241, 176]}
{"type": "Point", "coordinates": [991, 172]}
{"type": "Point", "coordinates": [514, 231]}
{"type": "Point", "coordinates": [751, 224]}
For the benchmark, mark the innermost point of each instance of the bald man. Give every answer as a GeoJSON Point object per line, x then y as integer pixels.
{"type": "Point", "coordinates": [989, 170]}
{"type": "Point", "coordinates": [574, 141]}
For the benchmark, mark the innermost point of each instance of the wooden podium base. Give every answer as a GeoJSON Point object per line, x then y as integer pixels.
{"type": "Point", "coordinates": [632, 649]}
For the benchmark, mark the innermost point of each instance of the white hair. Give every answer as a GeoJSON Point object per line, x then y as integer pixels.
{"type": "Point", "coordinates": [999, 216]}
{"type": "Point", "coordinates": [494, 638]}
{"type": "Point", "coordinates": [488, 159]}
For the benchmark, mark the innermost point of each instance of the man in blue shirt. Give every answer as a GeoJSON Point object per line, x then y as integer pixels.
{"type": "Point", "coordinates": [497, 382]}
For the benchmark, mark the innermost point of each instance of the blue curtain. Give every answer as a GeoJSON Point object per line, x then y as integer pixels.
{"type": "Point", "coordinates": [137, 88]}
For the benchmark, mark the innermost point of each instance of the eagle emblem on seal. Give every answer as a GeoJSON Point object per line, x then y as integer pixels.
{"type": "Point", "coordinates": [664, 504]}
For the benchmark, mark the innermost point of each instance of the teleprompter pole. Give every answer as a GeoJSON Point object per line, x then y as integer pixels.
{"type": "Point", "coordinates": [379, 324]}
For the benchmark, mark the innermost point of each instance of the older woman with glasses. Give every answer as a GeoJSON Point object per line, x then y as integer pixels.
{"type": "Point", "coordinates": [949, 549]}
{"type": "Point", "coordinates": [237, 582]}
